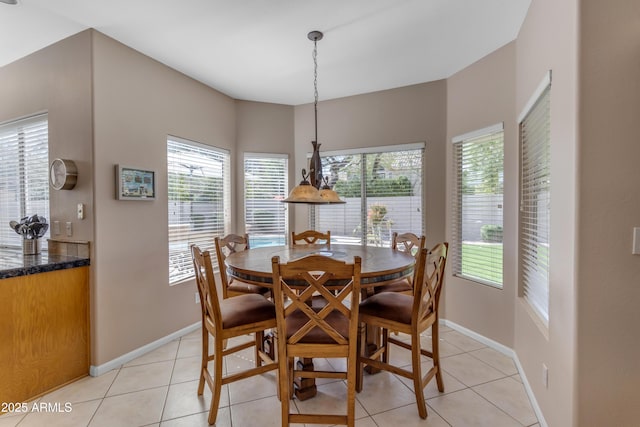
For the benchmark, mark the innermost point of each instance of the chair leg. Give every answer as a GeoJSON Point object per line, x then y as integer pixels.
{"type": "Point", "coordinates": [205, 359]}
{"type": "Point", "coordinates": [435, 351]}
{"type": "Point", "coordinates": [291, 363]}
{"type": "Point", "coordinates": [417, 374]}
{"type": "Point", "coordinates": [385, 345]}
{"type": "Point", "coordinates": [360, 353]}
{"type": "Point", "coordinates": [352, 366]}
{"type": "Point", "coordinates": [284, 388]}
{"type": "Point", "coordinates": [217, 383]}
{"type": "Point", "coordinates": [259, 343]}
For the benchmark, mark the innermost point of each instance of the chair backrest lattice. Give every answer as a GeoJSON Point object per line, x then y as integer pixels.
{"type": "Point", "coordinates": [205, 280]}
{"type": "Point", "coordinates": [311, 237]}
{"type": "Point", "coordinates": [226, 246]}
{"type": "Point", "coordinates": [408, 242]}
{"type": "Point", "coordinates": [232, 243]}
{"type": "Point", "coordinates": [299, 280]}
{"type": "Point", "coordinates": [429, 279]}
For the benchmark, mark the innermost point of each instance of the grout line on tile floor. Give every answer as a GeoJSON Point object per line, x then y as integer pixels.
{"type": "Point", "coordinates": [166, 396]}
{"type": "Point", "coordinates": [493, 404]}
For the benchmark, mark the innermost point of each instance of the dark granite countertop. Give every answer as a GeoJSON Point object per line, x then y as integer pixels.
{"type": "Point", "coordinates": [13, 263]}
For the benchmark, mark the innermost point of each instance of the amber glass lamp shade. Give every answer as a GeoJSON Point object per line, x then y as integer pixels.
{"type": "Point", "coordinates": [328, 195]}
{"type": "Point", "coordinates": [304, 192]}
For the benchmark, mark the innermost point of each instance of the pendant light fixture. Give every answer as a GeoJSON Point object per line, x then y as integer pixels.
{"type": "Point", "coordinates": [309, 191]}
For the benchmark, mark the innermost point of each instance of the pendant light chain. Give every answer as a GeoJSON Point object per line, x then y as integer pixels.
{"type": "Point", "coordinates": [315, 83]}
{"type": "Point", "coordinates": [308, 191]}
{"type": "Point", "coordinates": [315, 71]}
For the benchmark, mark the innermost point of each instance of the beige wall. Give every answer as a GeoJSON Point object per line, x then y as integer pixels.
{"type": "Point", "coordinates": [399, 116]}
{"type": "Point", "coordinates": [57, 80]}
{"type": "Point", "coordinates": [608, 297]}
{"type": "Point", "coordinates": [137, 103]}
{"type": "Point", "coordinates": [548, 41]}
{"type": "Point", "coordinates": [479, 96]}
{"type": "Point", "coordinates": [261, 128]}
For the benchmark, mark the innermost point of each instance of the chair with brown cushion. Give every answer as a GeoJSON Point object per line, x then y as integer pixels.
{"type": "Point", "coordinates": [311, 237]}
{"type": "Point", "coordinates": [305, 333]}
{"type": "Point", "coordinates": [230, 287]}
{"type": "Point", "coordinates": [225, 319]}
{"type": "Point", "coordinates": [409, 243]}
{"type": "Point", "coordinates": [411, 315]}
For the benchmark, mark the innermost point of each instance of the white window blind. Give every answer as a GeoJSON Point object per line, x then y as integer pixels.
{"type": "Point", "coordinates": [265, 186]}
{"type": "Point", "coordinates": [199, 201]}
{"type": "Point", "coordinates": [383, 190]}
{"type": "Point", "coordinates": [24, 174]}
{"type": "Point", "coordinates": [477, 206]}
{"type": "Point", "coordinates": [535, 185]}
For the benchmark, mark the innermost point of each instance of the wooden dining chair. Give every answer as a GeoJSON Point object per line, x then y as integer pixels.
{"type": "Point", "coordinates": [231, 287]}
{"type": "Point", "coordinates": [306, 333]}
{"type": "Point", "coordinates": [225, 319]}
{"type": "Point", "coordinates": [411, 244]}
{"type": "Point", "coordinates": [412, 315]}
{"type": "Point", "coordinates": [311, 237]}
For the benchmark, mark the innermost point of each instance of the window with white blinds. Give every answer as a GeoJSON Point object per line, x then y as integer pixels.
{"type": "Point", "coordinates": [383, 190]}
{"type": "Point", "coordinates": [198, 190]}
{"type": "Point", "coordinates": [24, 175]}
{"type": "Point", "coordinates": [535, 200]}
{"type": "Point", "coordinates": [265, 186]}
{"type": "Point", "coordinates": [477, 205]}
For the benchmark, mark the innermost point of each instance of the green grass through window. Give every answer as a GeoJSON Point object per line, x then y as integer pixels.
{"type": "Point", "coordinates": [482, 261]}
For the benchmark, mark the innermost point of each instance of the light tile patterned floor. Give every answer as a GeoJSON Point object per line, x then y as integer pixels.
{"type": "Point", "coordinates": [482, 388]}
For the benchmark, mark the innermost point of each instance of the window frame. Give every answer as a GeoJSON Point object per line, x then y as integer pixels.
{"type": "Point", "coordinates": [284, 185]}
{"type": "Point", "coordinates": [203, 231]}
{"type": "Point", "coordinates": [534, 277]}
{"type": "Point", "coordinates": [462, 142]}
{"type": "Point", "coordinates": [364, 208]}
{"type": "Point", "coordinates": [14, 132]}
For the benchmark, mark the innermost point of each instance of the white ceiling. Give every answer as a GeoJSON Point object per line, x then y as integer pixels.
{"type": "Point", "coordinates": [258, 49]}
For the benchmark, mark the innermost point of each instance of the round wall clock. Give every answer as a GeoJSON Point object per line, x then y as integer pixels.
{"type": "Point", "coordinates": [63, 174]}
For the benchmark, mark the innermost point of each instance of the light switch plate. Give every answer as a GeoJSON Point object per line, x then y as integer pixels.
{"type": "Point", "coordinates": [636, 241]}
{"type": "Point", "coordinates": [69, 229]}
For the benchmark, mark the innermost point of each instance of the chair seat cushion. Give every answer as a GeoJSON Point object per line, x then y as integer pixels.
{"type": "Point", "coordinates": [401, 285]}
{"type": "Point", "coordinates": [246, 288]}
{"type": "Point", "coordinates": [389, 305]}
{"type": "Point", "coordinates": [246, 309]}
{"type": "Point", "coordinates": [337, 320]}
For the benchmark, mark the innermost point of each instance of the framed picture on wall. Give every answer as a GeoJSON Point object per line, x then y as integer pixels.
{"type": "Point", "coordinates": [135, 184]}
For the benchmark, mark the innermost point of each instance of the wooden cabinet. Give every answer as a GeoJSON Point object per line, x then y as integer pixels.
{"type": "Point", "coordinates": [44, 332]}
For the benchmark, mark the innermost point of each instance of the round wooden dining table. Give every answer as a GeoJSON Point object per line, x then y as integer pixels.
{"type": "Point", "coordinates": [379, 266]}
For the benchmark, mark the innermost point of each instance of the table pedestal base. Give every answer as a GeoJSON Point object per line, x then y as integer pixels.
{"type": "Point", "coordinates": [305, 388]}
{"type": "Point", "coordinates": [371, 336]}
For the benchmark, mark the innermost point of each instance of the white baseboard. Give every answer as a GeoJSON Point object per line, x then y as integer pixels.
{"type": "Point", "coordinates": [507, 352]}
{"type": "Point", "coordinates": [96, 371]}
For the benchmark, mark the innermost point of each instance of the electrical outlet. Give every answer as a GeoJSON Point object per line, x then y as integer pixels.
{"type": "Point", "coordinates": [80, 211]}
{"type": "Point", "coordinates": [69, 229]}
{"type": "Point", "coordinates": [197, 298]}
{"type": "Point", "coordinates": [545, 376]}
